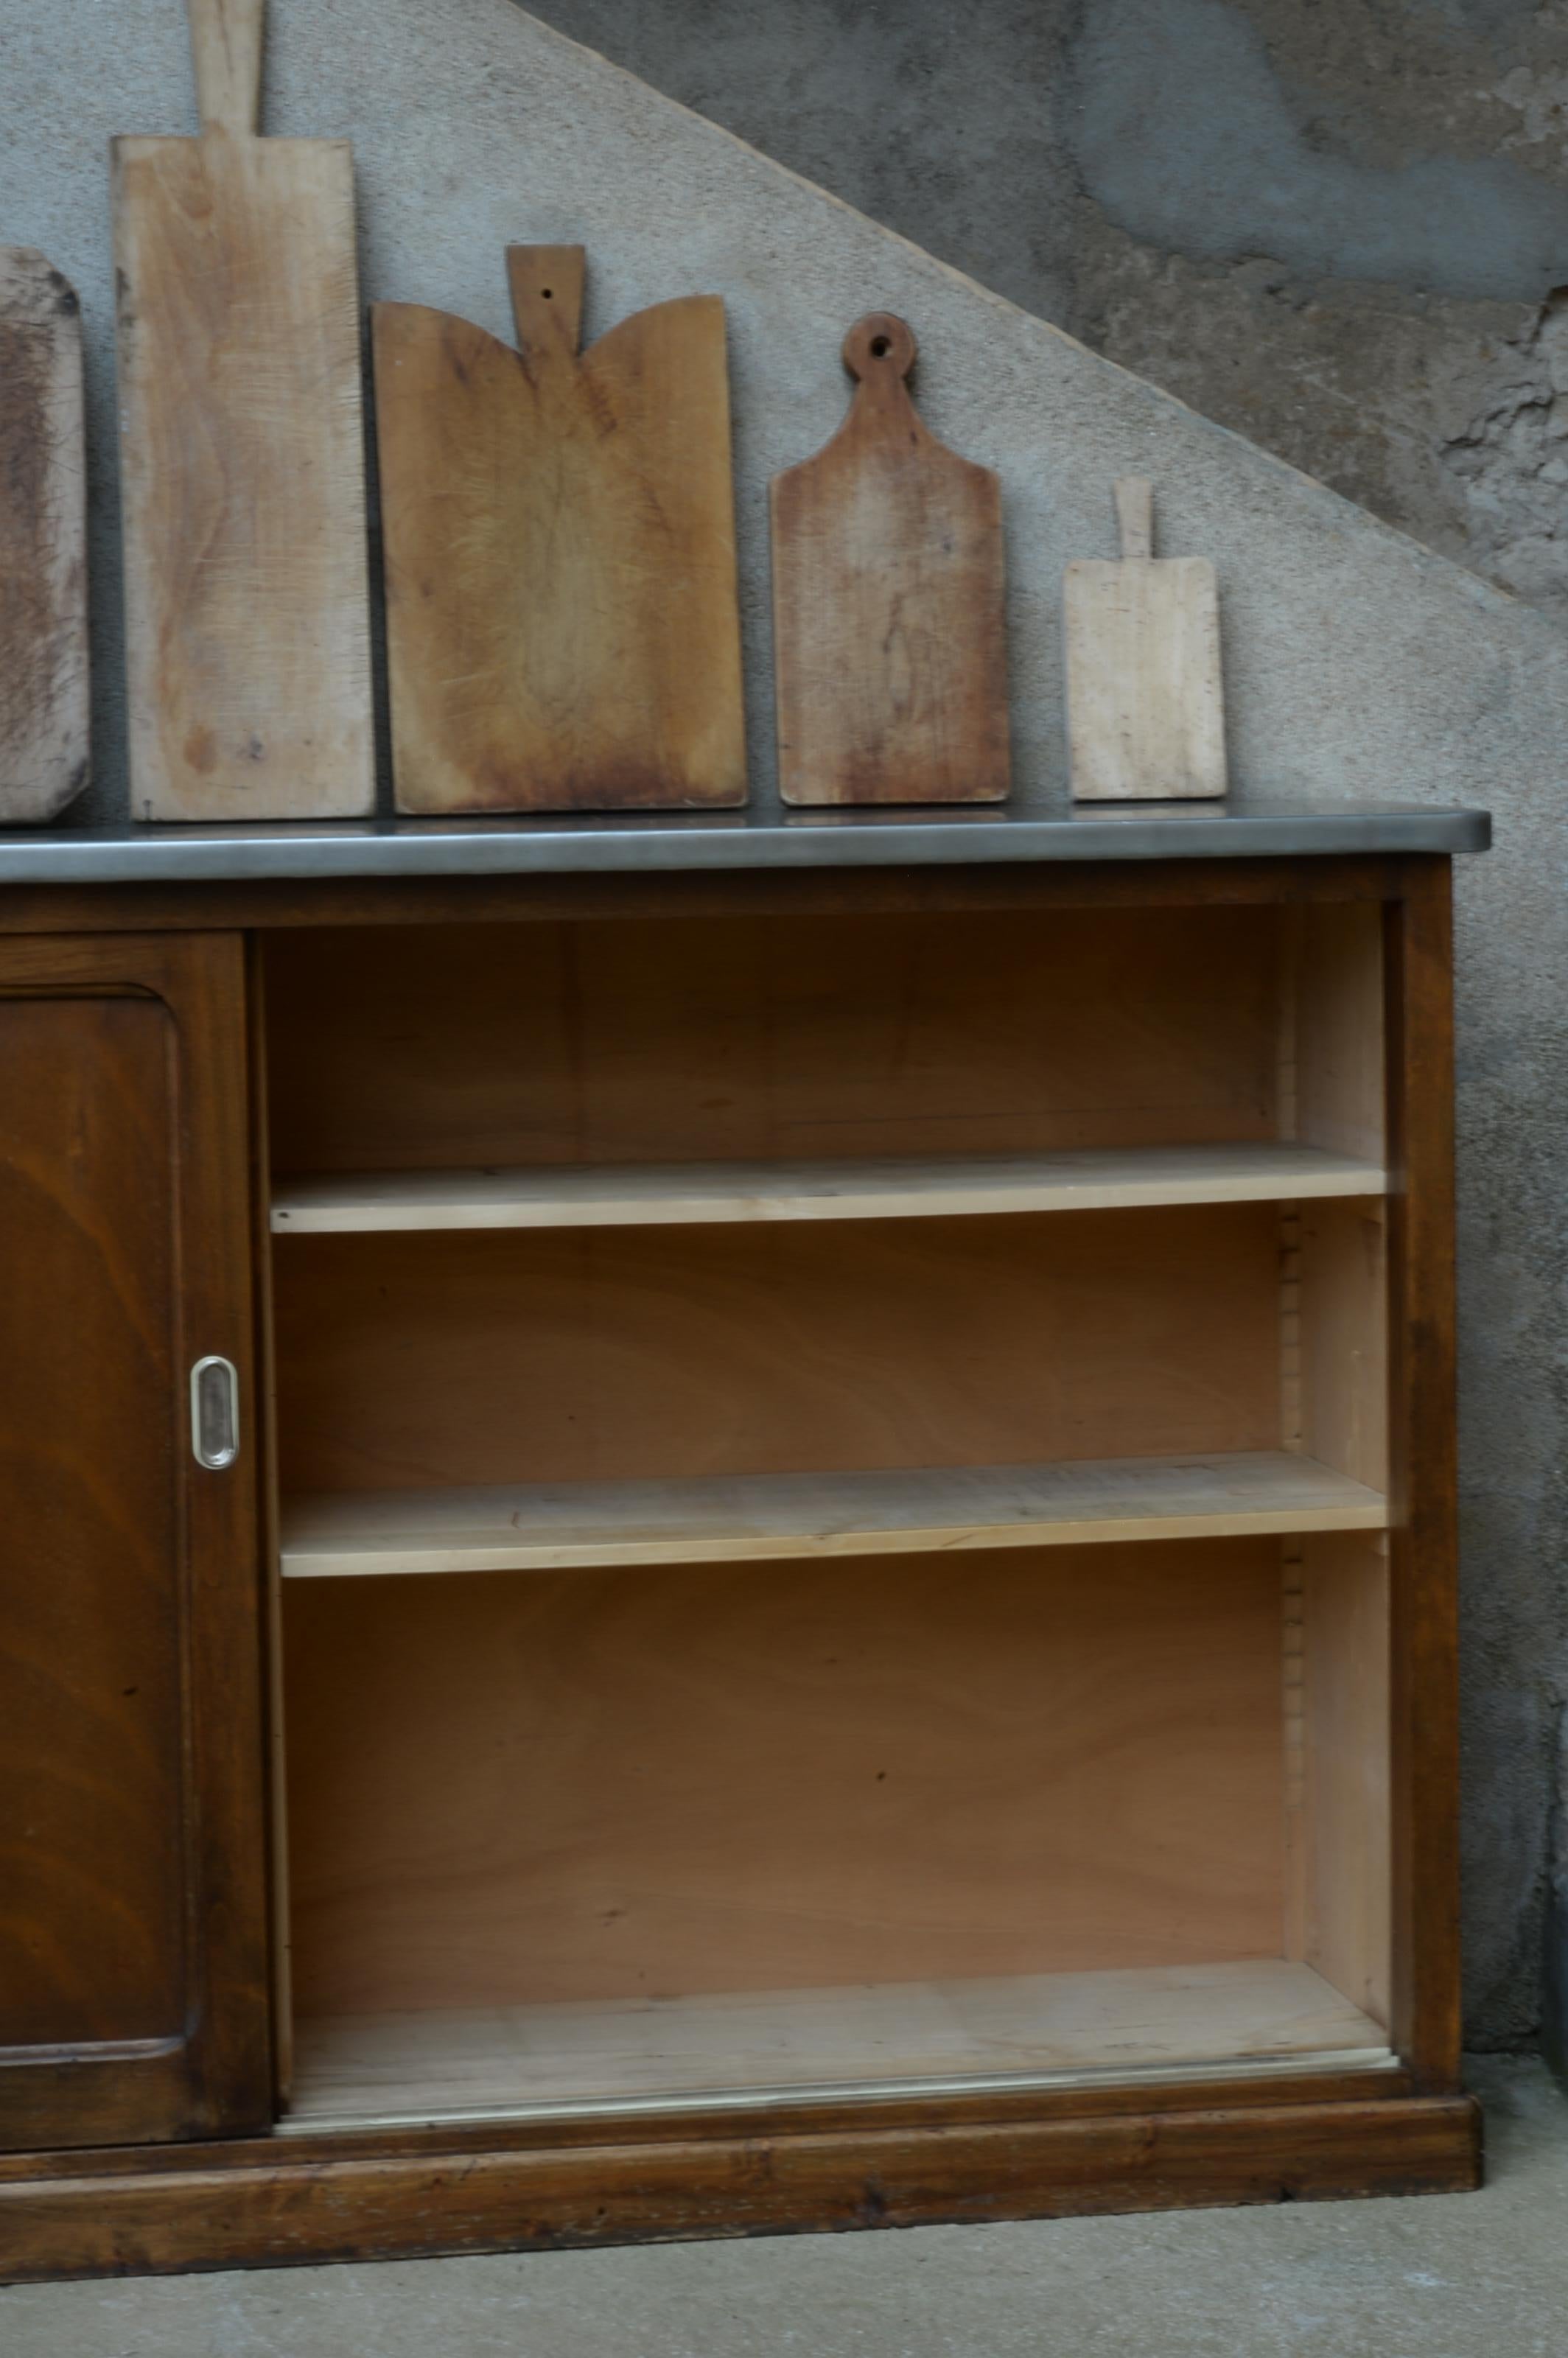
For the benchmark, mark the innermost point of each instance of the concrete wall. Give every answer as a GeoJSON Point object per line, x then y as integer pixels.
{"type": "Point", "coordinates": [1360, 664]}
{"type": "Point", "coordinates": [1335, 227]}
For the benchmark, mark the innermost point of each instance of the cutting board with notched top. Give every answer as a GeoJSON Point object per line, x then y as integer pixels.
{"type": "Point", "coordinates": [563, 627]}
{"type": "Point", "coordinates": [890, 653]}
{"type": "Point", "coordinates": [1145, 709]}
{"type": "Point", "coordinates": [43, 543]}
{"type": "Point", "coordinates": [243, 458]}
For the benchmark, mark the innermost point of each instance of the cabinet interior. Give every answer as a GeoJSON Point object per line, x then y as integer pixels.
{"type": "Point", "coordinates": [832, 1484]}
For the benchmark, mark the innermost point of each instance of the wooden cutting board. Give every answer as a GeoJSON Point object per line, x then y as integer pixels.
{"type": "Point", "coordinates": [243, 458]}
{"type": "Point", "coordinates": [563, 626]}
{"type": "Point", "coordinates": [43, 543]}
{"type": "Point", "coordinates": [888, 638]}
{"type": "Point", "coordinates": [1145, 707]}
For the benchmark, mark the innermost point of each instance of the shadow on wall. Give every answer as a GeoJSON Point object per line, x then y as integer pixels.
{"type": "Point", "coordinates": [1554, 1991]}
{"type": "Point", "coordinates": [1188, 139]}
{"type": "Point", "coordinates": [1331, 228]}
{"type": "Point", "coordinates": [1190, 142]}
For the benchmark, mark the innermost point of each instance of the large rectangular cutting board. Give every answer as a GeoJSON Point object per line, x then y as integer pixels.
{"type": "Point", "coordinates": [242, 459]}
{"type": "Point", "coordinates": [563, 630]}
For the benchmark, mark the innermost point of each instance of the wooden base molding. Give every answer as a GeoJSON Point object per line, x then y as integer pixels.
{"type": "Point", "coordinates": [264, 2203]}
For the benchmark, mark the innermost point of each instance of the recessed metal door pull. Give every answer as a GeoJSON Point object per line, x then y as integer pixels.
{"type": "Point", "coordinates": [215, 1412]}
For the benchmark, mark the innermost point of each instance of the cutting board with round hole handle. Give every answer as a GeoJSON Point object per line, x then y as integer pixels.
{"type": "Point", "coordinates": [242, 457]}
{"type": "Point", "coordinates": [889, 634]}
{"type": "Point", "coordinates": [563, 621]}
{"type": "Point", "coordinates": [43, 543]}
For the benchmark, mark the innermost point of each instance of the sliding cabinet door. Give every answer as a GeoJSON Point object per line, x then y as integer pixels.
{"type": "Point", "coordinates": [132, 1919]}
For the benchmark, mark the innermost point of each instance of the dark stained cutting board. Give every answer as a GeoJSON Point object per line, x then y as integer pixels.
{"type": "Point", "coordinates": [890, 654]}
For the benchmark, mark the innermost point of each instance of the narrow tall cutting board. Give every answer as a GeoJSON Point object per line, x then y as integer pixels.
{"type": "Point", "coordinates": [888, 638]}
{"type": "Point", "coordinates": [242, 457]}
{"type": "Point", "coordinates": [43, 543]}
{"type": "Point", "coordinates": [1145, 709]}
{"type": "Point", "coordinates": [563, 623]}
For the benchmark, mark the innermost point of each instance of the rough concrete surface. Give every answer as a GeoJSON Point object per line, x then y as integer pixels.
{"type": "Point", "coordinates": [1455, 2276]}
{"type": "Point", "coordinates": [1332, 227]}
{"type": "Point", "coordinates": [1358, 663]}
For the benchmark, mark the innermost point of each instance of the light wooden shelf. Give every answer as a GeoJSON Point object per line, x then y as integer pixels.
{"type": "Point", "coordinates": [540, 1527]}
{"type": "Point", "coordinates": [1038, 2030]}
{"type": "Point", "coordinates": [656, 1195]}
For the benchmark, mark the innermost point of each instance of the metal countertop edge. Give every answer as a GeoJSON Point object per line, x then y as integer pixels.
{"type": "Point", "coordinates": [244, 860]}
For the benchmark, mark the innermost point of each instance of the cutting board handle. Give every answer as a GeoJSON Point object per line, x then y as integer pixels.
{"type": "Point", "coordinates": [1134, 497]}
{"type": "Point", "coordinates": [880, 350]}
{"type": "Point", "coordinates": [226, 44]}
{"type": "Point", "coordinates": [546, 282]}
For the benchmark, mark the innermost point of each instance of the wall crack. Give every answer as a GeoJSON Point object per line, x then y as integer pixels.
{"type": "Point", "coordinates": [1511, 464]}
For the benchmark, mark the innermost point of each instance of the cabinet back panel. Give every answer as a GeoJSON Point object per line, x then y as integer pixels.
{"type": "Point", "coordinates": [91, 1867]}
{"type": "Point", "coordinates": [407, 1361]}
{"type": "Point", "coordinates": [508, 1789]}
{"type": "Point", "coordinates": [726, 1039]}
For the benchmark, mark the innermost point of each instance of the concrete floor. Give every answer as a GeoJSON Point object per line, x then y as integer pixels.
{"type": "Point", "coordinates": [1467, 2275]}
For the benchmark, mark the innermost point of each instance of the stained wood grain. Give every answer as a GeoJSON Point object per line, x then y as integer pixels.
{"type": "Point", "coordinates": [1145, 714]}
{"type": "Point", "coordinates": [266, 1442]}
{"type": "Point", "coordinates": [562, 619]}
{"type": "Point", "coordinates": [1423, 1474]}
{"type": "Point", "coordinates": [410, 1362]}
{"type": "Point", "coordinates": [92, 1719]}
{"type": "Point", "coordinates": [242, 458]}
{"type": "Point", "coordinates": [44, 757]}
{"type": "Point", "coordinates": [132, 1996]}
{"type": "Point", "coordinates": [644, 1784]}
{"type": "Point", "coordinates": [522, 899]}
{"type": "Point", "coordinates": [245, 2200]}
{"type": "Point", "coordinates": [934, 1033]}
{"type": "Point", "coordinates": [889, 633]}
{"type": "Point", "coordinates": [393, 2195]}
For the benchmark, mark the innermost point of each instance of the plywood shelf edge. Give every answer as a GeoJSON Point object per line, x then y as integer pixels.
{"type": "Point", "coordinates": [657, 1195]}
{"type": "Point", "coordinates": [563, 1526]}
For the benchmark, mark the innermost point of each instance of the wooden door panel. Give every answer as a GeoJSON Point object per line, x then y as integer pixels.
{"type": "Point", "coordinates": [89, 1879]}
{"type": "Point", "coordinates": [132, 1981]}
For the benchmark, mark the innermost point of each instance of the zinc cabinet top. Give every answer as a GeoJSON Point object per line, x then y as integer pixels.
{"type": "Point", "coordinates": [1024, 830]}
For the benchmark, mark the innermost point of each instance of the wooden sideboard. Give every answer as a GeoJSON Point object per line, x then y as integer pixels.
{"type": "Point", "coordinates": [823, 1593]}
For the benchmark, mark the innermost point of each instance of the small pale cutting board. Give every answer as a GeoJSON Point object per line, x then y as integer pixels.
{"type": "Point", "coordinates": [563, 623]}
{"type": "Point", "coordinates": [43, 543]}
{"type": "Point", "coordinates": [1145, 709]}
{"type": "Point", "coordinates": [242, 457]}
{"type": "Point", "coordinates": [890, 649]}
